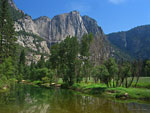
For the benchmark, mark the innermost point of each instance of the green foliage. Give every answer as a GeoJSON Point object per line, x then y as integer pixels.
{"type": "Point", "coordinates": [51, 75]}
{"type": "Point", "coordinates": [7, 72]}
{"type": "Point", "coordinates": [85, 45]}
{"type": "Point", "coordinates": [104, 74]}
{"type": "Point", "coordinates": [37, 82]}
{"type": "Point", "coordinates": [69, 59]}
{"type": "Point", "coordinates": [112, 67]}
{"type": "Point", "coordinates": [63, 58]}
{"type": "Point", "coordinates": [7, 68]}
{"type": "Point", "coordinates": [126, 69]}
{"type": "Point", "coordinates": [27, 73]}
{"type": "Point", "coordinates": [85, 54]}
{"type": "Point", "coordinates": [22, 59]}
{"type": "Point", "coordinates": [45, 80]}
{"type": "Point", "coordinates": [147, 68]}
{"type": "Point", "coordinates": [15, 14]}
{"type": "Point", "coordinates": [142, 83]}
{"type": "Point", "coordinates": [40, 73]}
{"type": "Point", "coordinates": [134, 93]}
{"type": "Point", "coordinates": [101, 73]}
{"type": "Point", "coordinates": [41, 62]}
{"type": "Point", "coordinates": [8, 65]}
{"type": "Point", "coordinates": [3, 81]}
{"type": "Point", "coordinates": [7, 32]}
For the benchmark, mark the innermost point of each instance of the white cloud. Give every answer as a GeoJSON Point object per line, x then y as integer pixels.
{"type": "Point", "coordinates": [117, 1]}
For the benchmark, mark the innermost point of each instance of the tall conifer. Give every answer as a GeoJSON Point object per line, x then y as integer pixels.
{"type": "Point", "coordinates": [7, 32]}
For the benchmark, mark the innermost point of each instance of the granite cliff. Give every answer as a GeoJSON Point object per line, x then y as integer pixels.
{"type": "Point", "coordinates": [54, 30]}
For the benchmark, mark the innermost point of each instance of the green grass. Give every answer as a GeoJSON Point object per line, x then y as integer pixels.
{"type": "Point", "coordinates": [37, 82]}
{"type": "Point", "coordinates": [90, 88]}
{"type": "Point", "coordinates": [142, 91]}
{"type": "Point", "coordinates": [88, 85]}
{"type": "Point", "coordinates": [60, 81]}
{"type": "Point", "coordinates": [133, 93]}
{"type": "Point", "coordinates": [144, 82]}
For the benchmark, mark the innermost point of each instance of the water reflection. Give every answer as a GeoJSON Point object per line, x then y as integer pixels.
{"type": "Point", "coordinates": [27, 99]}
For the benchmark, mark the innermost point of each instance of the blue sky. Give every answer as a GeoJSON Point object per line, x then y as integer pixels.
{"type": "Point", "coordinates": [111, 15]}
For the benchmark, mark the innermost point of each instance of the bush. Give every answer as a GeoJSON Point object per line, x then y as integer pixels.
{"type": "Point", "coordinates": [37, 82]}
{"type": "Point", "coordinates": [46, 80]}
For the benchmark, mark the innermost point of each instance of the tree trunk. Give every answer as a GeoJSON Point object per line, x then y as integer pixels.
{"type": "Point", "coordinates": [113, 83]}
{"type": "Point", "coordinates": [137, 80]}
{"type": "Point", "coordinates": [126, 85]}
{"type": "Point", "coordinates": [117, 82]}
{"type": "Point", "coordinates": [122, 80]}
{"type": "Point", "coordinates": [131, 81]}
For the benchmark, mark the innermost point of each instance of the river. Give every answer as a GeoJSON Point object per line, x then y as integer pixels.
{"type": "Point", "coordinates": [29, 99]}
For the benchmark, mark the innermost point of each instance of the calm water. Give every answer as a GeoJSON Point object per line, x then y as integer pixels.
{"type": "Point", "coordinates": [28, 99]}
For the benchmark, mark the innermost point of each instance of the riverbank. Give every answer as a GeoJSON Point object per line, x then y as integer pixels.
{"type": "Point", "coordinates": [4, 89]}
{"type": "Point", "coordinates": [142, 92]}
{"type": "Point", "coordinates": [119, 92]}
{"type": "Point", "coordinates": [6, 84]}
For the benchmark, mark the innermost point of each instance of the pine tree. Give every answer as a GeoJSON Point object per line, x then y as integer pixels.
{"type": "Point", "coordinates": [41, 62]}
{"type": "Point", "coordinates": [22, 59]}
{"type": "Point", "coordinates": [7, 32]}
{"type": "Point", "coordinates": [21, 65]}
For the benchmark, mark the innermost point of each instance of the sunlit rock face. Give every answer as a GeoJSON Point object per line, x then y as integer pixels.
{"type": "Point", "coordinates": [42, 26]}
{"type": "Point", "coordinates": [68, 24]}
{"type": "Point", "coordinates": [57, 29]}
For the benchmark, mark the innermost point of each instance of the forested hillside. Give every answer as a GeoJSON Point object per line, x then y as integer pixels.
{"type": "Point", "coordinates": [135, 42]}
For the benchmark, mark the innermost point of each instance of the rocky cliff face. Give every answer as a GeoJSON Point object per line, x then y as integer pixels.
{"type": "Point", "coordinates": [68, 24]}
{"type": "Point", "coordinates": [92, 27]}
{"type": "Point", "coordinates": [61, 26]}
{"type": "Point", "coordinates": [57, 29]}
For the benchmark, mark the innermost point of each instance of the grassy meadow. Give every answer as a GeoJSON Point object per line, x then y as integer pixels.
{"type": "Point", "coordinates": [141, 91]}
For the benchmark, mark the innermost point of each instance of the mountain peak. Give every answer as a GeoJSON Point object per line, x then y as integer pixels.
{"type": "Point", "coordinates": [75, 12]}
{"type": "Point", "coordinates": [91, 26]}
{"type": "Point", "coordinates": [45, 18]}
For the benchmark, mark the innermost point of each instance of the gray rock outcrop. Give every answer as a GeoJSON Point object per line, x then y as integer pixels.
{"type": "Point", "coordinates": [68, 24]}
{"type": "Point", "coordinates": [58, 28]}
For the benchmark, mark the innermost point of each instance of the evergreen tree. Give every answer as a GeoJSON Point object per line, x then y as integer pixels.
{"type": "Point", "coordinates": [7, 69]}
{"type": "Point", "coordinates": [7, 32]}
{"type": "Point", "coordinates": [21, 65]}
{"type": "Point", "coordinates": [22, 59]}
{"type": "Point", "coordinates": [41, 62]}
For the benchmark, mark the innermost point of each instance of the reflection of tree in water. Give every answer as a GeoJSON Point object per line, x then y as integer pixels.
{"type": "Point", "coordinates": [68, 102]}
{"type": "Point", "coordinates": [27, 99]}
{"type": "Point", "coordinates": [41, 108]}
